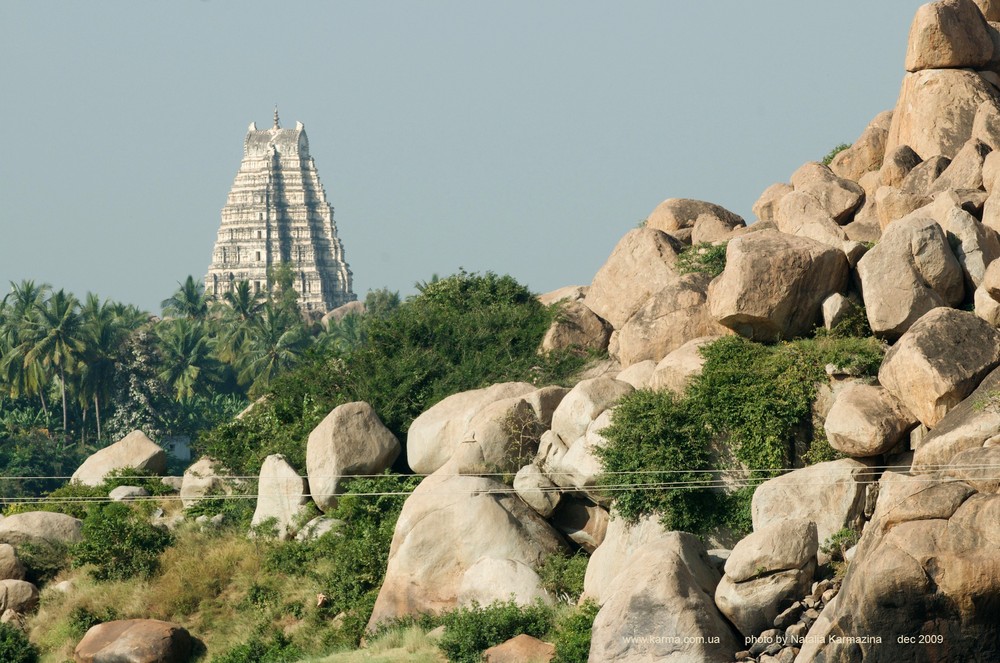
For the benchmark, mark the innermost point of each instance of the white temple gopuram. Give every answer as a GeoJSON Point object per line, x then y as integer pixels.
{"type": "Point", "coordinates": [277, 212]}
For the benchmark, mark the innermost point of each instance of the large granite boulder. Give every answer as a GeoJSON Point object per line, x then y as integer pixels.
{"type": "Point", "coordinates": [500, 438]}
{"type": "Point", "coordinates": [830, 494]}
{"type": "Point", "coordinates": [936, 110]}
{"type": "Point", "coordinates": [803, 215]}
{"type": "Point", "coordinates": [693, 221]}
{"type": "Point", "coordinates": [490, 579]}
{"type": "Point", "coordinates": [640, 265]}
{"type": "Point", "coordinates": [520, 649]}
{"type": "Point", "coordinates": [971, 424]}
{"type": "Point", "coordinates": [867, 420]}
{"type": "Point", "coordinates": [911, 271]}
{"type": "Point", "coordinates": [448, 524]}
{"type": "Point", "coordinates": [838, 197]}
{"type": "Point", "coordinates": [135, 450]}
{"type": "Point", "coordinates": [41, 527]}
{"type": "Point", "coordinates": [774, 284]}
{"type": "Point", "coordinates": [351, 440]}
{"type": "Point", "coordinates": [537, 490]}
{"type": "Point", "coordinates": [282, 496]}
{"type": "Point", "coordinates": [924, 570]}
{"type": "Point", "coordinates": [583, 404]}
{"type": "Point", "coordinates": [611, 558]}
{"type": "Point", "coordinates": [766, 207]}
{"type": "Point", "coordinates": [437, 433]}
{"type": "Point", "coordinates": [965, 171]}
{"type": "Point", "coordinates": [666, 589]}
{"type": "Point", "coordinates": [135, 641]}
{"type": "Point", "coordinates": [897, 165]}
{"type": "Point", "coordinates": [576, 466]}
{"type": "Point", "coordinates": [766, 572]}
{"type": "Point", "coordinates": [18, 595]}
{"type": "Point", "coordinates": [581, 521]}
{"type": "Point", "coordinates": [576, 326]}
{"type": "Point", "coordinates": [675, 315]}
{"type": "Point", "coordinates": [678, 368]}
{"type": "Point", "coordinates": [948, 34]}
{"type": "Point", "coordinates": [939, 361]}
{"type": "Point", "coordinates": [11, 567]}
{"type": "Point", "coordinates": [867, 153]}
{"type": "Point", "coordinates": [204, 477]}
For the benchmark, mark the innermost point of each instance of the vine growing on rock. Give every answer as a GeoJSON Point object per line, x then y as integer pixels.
{"type": "Point", "coordinates": [744, 413]}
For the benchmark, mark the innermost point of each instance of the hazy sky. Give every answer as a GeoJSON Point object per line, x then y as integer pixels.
{"type": "Point", "coordinates": [519, 137]}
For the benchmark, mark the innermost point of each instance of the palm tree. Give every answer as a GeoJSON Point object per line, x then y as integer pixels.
{"type": "Point", "coordinates": [239, 308]}
{"type": "Point", "coordinates": [188, 302]}
{"type": "Point", "coordinates": [188, 367]}
{"type": "Point", "coordinates": [20, 376]}
{"type": "Point", "coordinates": [275, 343]}
{"type": "Point", "coordinates": [54, 337]}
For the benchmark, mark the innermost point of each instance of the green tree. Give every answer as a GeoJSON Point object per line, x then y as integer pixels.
{"type": "Point", "coordinates": [189, 367]}
{"type": "Point", "coordinates": [55, 337]}
{"type": "Point", "coordinates": [189, 301]}
{"type": "Point", "coordinates": [19, 376]}
{"type": "Point", "coordinates": [238, 309]}
{"type": "Point", "coordinates": [275, 343]}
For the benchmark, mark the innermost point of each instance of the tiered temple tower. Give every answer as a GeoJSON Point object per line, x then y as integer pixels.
{"type": "Point", "coordinates": [277, 212]}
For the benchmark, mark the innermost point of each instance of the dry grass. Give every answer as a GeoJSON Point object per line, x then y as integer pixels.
{"type": "Point", "coordinates": [406, 645]}
{"type": "Point", "coordinates": [205, 584]}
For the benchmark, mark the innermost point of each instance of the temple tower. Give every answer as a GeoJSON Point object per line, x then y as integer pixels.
{"type": "Point", "coordinates": [277, 212]}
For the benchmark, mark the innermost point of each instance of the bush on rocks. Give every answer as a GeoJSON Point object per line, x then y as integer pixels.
{"type": "Point", "coordinates": [469, 631]}
{"type": "Point", "coordinates": [15, 646]}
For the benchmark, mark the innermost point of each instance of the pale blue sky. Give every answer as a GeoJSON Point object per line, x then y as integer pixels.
{"type": "Point", "coordinates": [519, 137]}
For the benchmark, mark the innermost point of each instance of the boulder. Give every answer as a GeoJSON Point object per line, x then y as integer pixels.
{"type": "Point", "coordinates": [676, 370]}
{"type": "Point", "coordinates": [779, 546]}
{"type": "Point", "coordinates": [583, 404]}
{"type": "Point", "coordinates": [18, 595]}
{"type": "Point", "coordinates": [666, 591]}
{"type": "Point", "coordinates": [491, 579]}
{"type": "Point", "coordinates": [135, 451]}
{"type": "Point", "coordinates": [969, 425]}
{"type": "Point", "coordinates": [836, 309]}
{"type": "Point", "coordinates": [447, 525]}
{"type": "Point", "coordinates": [341, 312]}
{"type": "Point", "coordinates": [975, 245]}
{"type": "Point", "coordinates": [128, 493]}
{"type": "Point", "coordinates": [576, 326]}
{"type": "Point", "coordinates": [704, 222]}
{"type": "Point", "coordinates": [965, 171]}
{"type": "Point", "coordinates": [892, 203]}
{"type": "Point", "coordinates": [40, 527]}
{"type": "Point", "coordinates": [925, 567]}
{"type": "Point", "coordinates": [976, 467]}
{"type": "Point", "coordinates": [766, 207]}
{"type": "Point", "coordinates": [838, 197]}
{"type": "Point", "coordinates": [612, 557]}
{"type": "Point", "coordinates": [831, 494]}
{"type": "Point", "coordinates": [640, 265]}
{"type": "Point", "coordinates": [135, 641]}
{"type": "Point", "coordinates": [936, 110]}
{"type": "Point", "coordinates": [939, 361]}
{"type": "Point", "coordinates": [317, 527]}
{"type": "Point", "coordinates": [501, 438]}
{"type": "Point", "coordinates": [774, 284]}
{"type": "Point", "coordinates": [948, 34]}
{"type": "Point", "coordinates": [910, 272]}
{"type": "Point", "coordinates": [986, 307]}
{"type": "Point", "coordinates": [576, 466]}
{"type": "Point", "coordinates": [520, 649]}
{"type": "Point", "coordinates": [752, 605]}
{"type": "Point", "coordinates": [544, 402]}
{"type": "Point", "coordinates": [897, 165]}
{"type": "Point", "coordinates": [282, 496]}
{"type": "Point", "coordinates": [867, 152]}
{"type": "Point", "coordinates": [867, 420]}
{"type": "Point", "coordinates": [638, 375]}
{"type": "Point", "coordinates": [205, 477]}
{"type": "Point", "coordinates": [803, 215]}
{"type": "Point", "coordinates": [11, 567]}
{"type": "Point", "coordinates": [991, 171]}
{"type": "Point", "coordinates": [569, 293]}
{"type": "Point", "coordinates": [922, 177]}
{"type": "Point", "coordinates": [537, 490]}
{"type": "Point", "coordinates": [990, 9]}
{"type": "Point", "coordinates": [583, 522]}
{"type": "Point", "coordinates": [437, 433]}
{"type": "Point", "coordinates": [351, 440]}
{"type": "Point", "coordinates": [675, 315]}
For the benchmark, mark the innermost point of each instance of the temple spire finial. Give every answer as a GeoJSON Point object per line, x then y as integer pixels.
{"type": "Point", "coordinates": [276, 125]}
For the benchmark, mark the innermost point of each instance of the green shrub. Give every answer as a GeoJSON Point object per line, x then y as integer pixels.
{"type": "Point", "coordinates": [15, 646]}
{"type": "Point", "coordinates": [82, 619]}
{"type": "Point", "coordinates": [43, 559]}
{"type": "Point", "coordinates": [751, 402]}
{"type": "Point", "coordinates": [838, 543]}
{"type": "Point", "coordinates": [468, 631]}
{"type": "Point", "coordinates": [703, 257]}
{"type": "Point", "coordinates": [562, 575]}
{"type": "Point", "coordinates": [120, 543]}
{"type": "Point", "coordinates": [828, 159]}
{"type": "Point", "coordinates": [277, 648]}
{"type": "Point", "coordinates": [572, 634]}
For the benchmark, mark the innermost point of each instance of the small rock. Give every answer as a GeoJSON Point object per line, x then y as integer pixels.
{"type": "Point", "coordinates": [789, 616]}
{"type": "Point", "coordinates": [828, 595]}
{"type": "Point", "coordinates": [128, 493]}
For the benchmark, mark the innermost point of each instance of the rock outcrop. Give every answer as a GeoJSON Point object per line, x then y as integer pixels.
{"type": "Point", "coordinates": [135, 641]}
{"type": "Point", "coordinates": [135, 450]}
{"type": "Point", "coordinates": [282, 496]}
